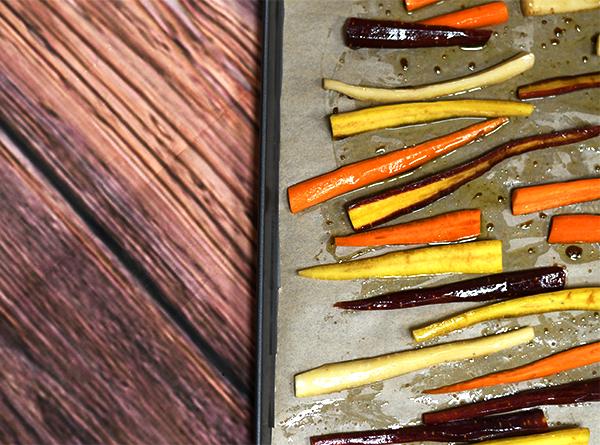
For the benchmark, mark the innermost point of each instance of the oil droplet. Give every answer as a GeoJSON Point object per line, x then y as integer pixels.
{"type": "Point", "coordinates": [471, 66]}
{"type": "Point", "coordinates": [490, 227]}
{"type": "Point", "coordinates": [342, 157]}
{"type": "Point", "coordinates": [496, 34]}
{"type": "Point", "coordinates": [584, 59]}
{"type": "Point", "coordinates": [554, 42]}
{"type": "Point", "coordinates": [437, 70]}
{"type": "Point", "coordinates": [404, 64]}
{"type": "Point", "coordinates": [328, 222]}
{"type": "Point", "coordinates": [544, 22]}
{"type": "Point", "coordinates": [543, 215]}
{"type": "Point", "coordinates": [500, 199]}
{"type": "Point", "coordinates": [535, 163]}
{"type": "Point", "coordinates": [388, 12]}
{"type": "Point", "coordinates": [597, 168]}
{"type": "Point", "coordinates": [526, 225]}
{"type": "Point", "coordinates": [546, 331]}
{"type": "Point", "coordinates": [335, 110]}
{"type": "Point", "coordinates": [567, 20]}
{"type": "Point", "coordinates": [444, 56]}
{"type": "Point", "coordinates": [477, 195]}
{"type": "Point", "coordinates": [380, 5]}
{"type": "Point", "coordinates": [543, 46]}
{"type": "Point", "coordinates": [380, 150]}
{"type": "Point", "coordinates": [558, 31]}
{"type": "Point", "coordinates": [574, 252]}
{"type": "Point", "coordinates": [531, 251]}
{"type": "Point", "coordinates": [577, 28]}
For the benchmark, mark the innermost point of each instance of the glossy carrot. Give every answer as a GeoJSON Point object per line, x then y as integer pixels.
{"type": "Point", "coordinates": [502, 286]}
{"type": "Point", "coordinates": [477, 17]}
{"type": "Point", "coordinates": [411, 5]}
{"type": "Point", "coordinates": [472, 430]}
{"type": "Point", "coordinates": [559, 85]}
{"type": "Point", "coordinates": [454, 226]}
{"type": "Point", "coordinates": [405, 198]}
{"type": "Point", "coordinates": [548, 196]}
{"type": "Point", "coordinates": [359, 174]}
{"type": "Point", "coordinates": [563, 361]}
{"type": "Point", "coordinates": [573, 392]}
{"type": "Point", "coordinates": [571, 436]}
{"type": "Point", "coordinates": [473, 257]}
{"type": "Point", "coordinates": [334, 377]}
{"type": "Point", "coordinates": [543, 7]}
{"type": "Point", "coordinates": [575, 229]}
{"type": "Point", "coordinates": [581, 299]}
{"type": "Point", "coordinates": [410, 113]}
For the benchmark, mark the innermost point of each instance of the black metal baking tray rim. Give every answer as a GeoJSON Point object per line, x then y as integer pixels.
{"type": "Point", "coordinates": [268, 224]}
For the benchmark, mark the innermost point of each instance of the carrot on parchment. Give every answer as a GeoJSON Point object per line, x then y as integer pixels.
{"type": "Point", "coordinates": [359, 174]}
{"type": "Point", "coordinates": [575, 229]}
{"type": "Point", "coordinates": [477, 17]}
{"type": "Point", "coordinates": [411, 5]}
{"type": "Point", "coordinates": [548, 196]}
{"type": "Point", "coordinates": [453, 226]}
{"type": "Point", "coordinates": [563, 361]}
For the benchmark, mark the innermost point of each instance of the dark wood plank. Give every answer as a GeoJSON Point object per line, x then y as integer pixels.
{"type": "Point", "coordinates": [87, 357]}
{"type": "Point", "coordinates": [144, 114]}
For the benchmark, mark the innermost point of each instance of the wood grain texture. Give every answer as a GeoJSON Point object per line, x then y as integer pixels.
{"type": "Point", "coordinates": [143, 113]}
{"type": "Point", "coordinates": [127, 192]}
{"type": "Point", "coordinates": [87, 357]}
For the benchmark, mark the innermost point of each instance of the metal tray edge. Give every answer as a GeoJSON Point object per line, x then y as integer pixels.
{"type": "Point", "coordinates": [268, 220]}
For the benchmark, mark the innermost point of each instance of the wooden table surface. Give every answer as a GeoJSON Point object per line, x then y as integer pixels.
{"type": "Point", "coordinates": [128, 134]}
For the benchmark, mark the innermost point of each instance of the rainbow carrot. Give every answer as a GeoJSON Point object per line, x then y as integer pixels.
{"type": "Point", "coordinates": [575, 229]}
{"type": "Point", "coordinates": [477, 17]}
{"type": "Point", "coordinates": [453, 226]}
{"type": "Point", "coordinates": [569, 359]}
{"type": "Point", "coordinates": [359, 174]}
{"type": "Point", "coordinates": [548, 196]}
{"type": "Point", "coordinates": [411, 5]}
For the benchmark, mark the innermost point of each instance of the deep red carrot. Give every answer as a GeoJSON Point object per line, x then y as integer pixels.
{"type": "Point", "coordinates": [477, 17]}
{"type": "Point", "coordinates": [472, 430]}
{"type": "Point", "coordinates": [559, 85]}
{"type": "Point", "coordinates": [575, 229]}
{"type": "Point", "coordinates": [569, 359]}
{"type": "Point", "coordinates": [501, 286]}
{"type": "Point", "coordinates": [575, 392]}
{"type": "Point", "coordinates": [369, 211]}
{"type": "Point", "coordinates": [454, 226]}
{"type": "Point", "coordinates": [359, 174]}
{"type": "Point", "coordinates": [548, 196]}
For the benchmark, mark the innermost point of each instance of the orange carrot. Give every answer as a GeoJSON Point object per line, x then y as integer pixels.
{"type": "Point", "coordinates": [575, 229]}
{"type": "Point", "coordinates": [477, 17]}
{"type": "Point", "coordinates": [411, 5]}
{"type": "Point", "coordinates": [359, 174]}
{"type": "Point", "coordinates": [553, 364]}
{"type": "Point", "coordinates": [454, 226]}
{"type": "Point", "coordinates": [548, 196]}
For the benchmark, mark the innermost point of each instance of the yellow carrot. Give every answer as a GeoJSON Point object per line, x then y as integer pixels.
{"type": "Point", "coordinates": [583, 299]}
{"type": "Point", "coordinates": [474, 257]}
{"type": "Point", "coordinates": [571, 436]}
{"type": "Point", "coordinates": [389, 116]}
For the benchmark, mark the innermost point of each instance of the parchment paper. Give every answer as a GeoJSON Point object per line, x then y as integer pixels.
{"type": "Point", "coordinates": [310, 331]}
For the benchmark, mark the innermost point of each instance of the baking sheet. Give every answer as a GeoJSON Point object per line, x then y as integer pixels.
{"type": "Point", "coordinates": [310, 331]}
